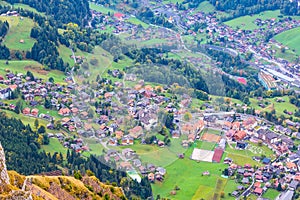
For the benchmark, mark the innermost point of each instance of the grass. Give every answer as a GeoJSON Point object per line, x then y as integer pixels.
{"type": "Point", "coordinates": [95, 147]}
{"type": "Point", "coordinates": [271, 194]}
{"type": "Point", "coordinates": [136, 21]}
{"type": "Point", "coordinates": [19, 29]}
{"type": "Point", "coordinates": [55, 146]}
{"type": "Point", "coordinates": [26, 119]}
{"type": "Point", "coordinates": [279, 107]}
{"type": "Point", "coordinates": [26, 7]}
{"type": "Point", "coordinates": [66, 53]}
{"type": "Point", "coordinates": [160, 156]}
{"type": "Point", "coordinates": [205, 7]}
{"type": "Point", "coordinates": [22, 66]}
{"type": "Point", "coordinates": [191, 182]}
{"type": "Point", "coordinates": [100, 8]}
{"type": "Point", "coordinates": [247, 22]}
{"type": "Point", "coordinates": [206, 145]}
{"type": "Point", "coordinates": [290, 38]}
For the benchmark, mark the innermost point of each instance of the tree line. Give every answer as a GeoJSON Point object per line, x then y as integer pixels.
{"type": "Point", "coordinates": [63, 12]}
{"type": "Point", "coordinates": [23, 153]}
{"type": "Point", "coordinates": [239, 8]}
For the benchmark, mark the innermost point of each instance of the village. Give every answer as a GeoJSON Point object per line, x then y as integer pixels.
{"type": "Point", "coordinates": [120, 115]}
{"type": "Point", "coordinates": [221, 130]}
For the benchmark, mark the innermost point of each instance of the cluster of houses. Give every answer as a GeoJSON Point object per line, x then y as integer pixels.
{"type": "Point", "coordinates": [276, 175]}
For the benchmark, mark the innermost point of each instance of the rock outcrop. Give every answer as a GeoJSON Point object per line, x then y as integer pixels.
{"type": "Point", "coordinates": [4, 178]}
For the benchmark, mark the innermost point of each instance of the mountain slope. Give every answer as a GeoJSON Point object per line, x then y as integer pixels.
{"type": "Point", "coordinates": [15, 186]}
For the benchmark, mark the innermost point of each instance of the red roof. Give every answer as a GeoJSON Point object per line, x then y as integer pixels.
{"type": "Point", "coordinates": [217, 155]}
{"type": "Point", "coordinates": [242, 80]}
{"type": "Point", "coordinates": [258, 190]}
{"type": "Point", "coordinates": [118, 15]}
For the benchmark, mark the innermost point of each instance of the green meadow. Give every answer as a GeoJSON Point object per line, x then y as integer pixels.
{"type": "Point", "coordinates": [291, 39]}
{"type": "Point", "coordinates": [19, 29]}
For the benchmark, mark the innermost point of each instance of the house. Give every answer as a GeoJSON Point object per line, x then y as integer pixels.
{"type": "Point", "coordinates": [161, 143]}
{"type": "Point", "coordinates": [128, 153]}
{"type": "Point", "coordinates": [151, 177]}
{"type": "Point", "coordinates": [127, 140]}
{"type": "Point", "coordinates": [5, 93]}
{"type": "Point", "coordinates": [162, 171]}
{"type": "Point", "coordinates": [136, 132]}
{"type": "Point", "coordinates": [113, 142]}
{"type": "Point", "coordinates": [245, 180]}
{"type": "Point", "coordinates": [64, 112]}
{"type": "Point", "coordinates": [240, 135]}
{"type": "Point", "coordinates": [119, 134]}
{"type": "Point", "coordinates": [35, 112]}
{"type": "Point", "coordinates": [137, 162]}
{"type": "Point", "coordinates": [258, 191]}
{"type": "Point", "coordinates": [266, 161]}
{"type": "Point", "coordinates": [26, 111]}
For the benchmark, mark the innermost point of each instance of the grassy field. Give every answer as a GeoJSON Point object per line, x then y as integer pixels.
{"type": "Point", "coordinates": [136, 21]}
{"type": "Point", "coordinates": [95, 147]}
{"type": "Point", "coordinates": [191, 182]}
{"type": "Point", "coordinates": [66, 53]}
{"type": "Point", "coordinates": [160, 156]}
{"type": "Point", "coordinates": [100, 8]}
{"type": "Point", "coordinates": [206, 145]}
{"type": "Point", "coordinates": [205, 7]}
{"type": "Point", "coordinates": [36, 68]}
{"type": "Point", "coordinates": [279, 107]}
{"type": "Point", "coordinates": [290, 38]}
{"type": "Point", "coordinates": [247, 22]}
{"type": "Point", "coordinates": [55, 146]}
{"type": "Point", "coordinates": [271, 194]}
{"type": "Point", "coordinates": [19, 29]}
{"type": "Point", "coordinates": [26, 7]}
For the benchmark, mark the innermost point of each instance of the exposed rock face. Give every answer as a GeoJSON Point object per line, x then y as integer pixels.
{"type": "Point", "coordinates": [4, 178]}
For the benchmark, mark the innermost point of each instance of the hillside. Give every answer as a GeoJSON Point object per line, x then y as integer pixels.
{"type": "Point", "coordinates": [16, 186]}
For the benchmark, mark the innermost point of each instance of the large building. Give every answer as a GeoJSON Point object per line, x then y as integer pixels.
{"type": "Point", "coordinates": [267, 81]}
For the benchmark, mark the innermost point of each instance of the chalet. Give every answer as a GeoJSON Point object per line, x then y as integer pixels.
{"type": "Point", "coordinates": [136, 132]}
{"type": "Point", "coordinates": [64, 112]}
{"type": "Point", "coordinates": [240, 135]}
{"type": "Point", "coordinates": [137, 162]}
{"type": "Point", "coordinates": [5, 93]}
{"type": "Point", "coordinates": [127, 140]}
{"type": "Point", "coordinates": [35, 112]}
{"type": "Point", "coordinates": [119, 134]}
{"type": "Point", "coordinates": [26, 111]}
{"type": "Point", "coordinates": [128, 153]}
{"type": "Point", "coordinates": [162, 171]}
{"type": "Point", "coordinates": [113, 142]}
{"type": "Point", "coordinates": [258, 191]}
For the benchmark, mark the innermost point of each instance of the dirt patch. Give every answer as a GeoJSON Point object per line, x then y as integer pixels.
{"type": "Point", "coordinates": [36, 70]}
{"type": "Point", "coordinates": [211, 137]}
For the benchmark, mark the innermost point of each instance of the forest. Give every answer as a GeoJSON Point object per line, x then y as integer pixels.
{"type": "Point", "coordinates": [27, 158]}
{"type": "Point", "coordinates": [63, 12]}
{"type": "Point", "coordinates": [247, 7]}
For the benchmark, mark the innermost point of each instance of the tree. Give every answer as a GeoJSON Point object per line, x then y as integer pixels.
{"type": "Point", "coordinates": [279, 187]}
{"type": "Point", "coordinates": [36, 123]}
{"type": "Point", "coordinates": [42, 129]}
{"type": "Point", "coordinates": [77, 175]}
{"type": "Point", "coordinates": [187, 116]}
{"type": "Point", "coordinates": [51, 80]}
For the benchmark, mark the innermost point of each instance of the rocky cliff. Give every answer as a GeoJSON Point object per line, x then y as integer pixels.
{"type": "Point", "coordinates": [14, 186]}
{"type": "Point", "coordinates": [4, 178]}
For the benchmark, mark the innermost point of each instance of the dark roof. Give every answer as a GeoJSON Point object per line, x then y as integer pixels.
{"type": "Point", "coordinates": [266, 160]}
